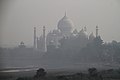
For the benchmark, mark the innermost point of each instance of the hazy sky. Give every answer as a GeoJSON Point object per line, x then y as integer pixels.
{"type": "Point", "coordinates": [18, 17]}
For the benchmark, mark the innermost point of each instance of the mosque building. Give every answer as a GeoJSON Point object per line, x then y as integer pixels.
{"type": "Point", "coordinates": [64, 30]}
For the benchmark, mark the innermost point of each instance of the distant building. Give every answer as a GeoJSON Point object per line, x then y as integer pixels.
{"type": "Point", "coordinates": [64, 29]}
{"type": "Point", "coordinates": [22, 45]}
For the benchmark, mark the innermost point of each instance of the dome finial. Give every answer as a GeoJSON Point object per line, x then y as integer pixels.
{"type": "Point", "coordinates": [65, 14]}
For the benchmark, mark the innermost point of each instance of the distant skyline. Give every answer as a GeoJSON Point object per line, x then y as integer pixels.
{"type": "Point", "coordinates": [18, 18]}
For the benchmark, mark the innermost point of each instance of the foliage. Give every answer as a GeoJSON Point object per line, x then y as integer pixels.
{"type": "Point", "coordinates": [41, 73]}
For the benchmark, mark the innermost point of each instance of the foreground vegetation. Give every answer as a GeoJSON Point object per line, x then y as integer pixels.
{"type": "Point", "coordinates": [91, 74]}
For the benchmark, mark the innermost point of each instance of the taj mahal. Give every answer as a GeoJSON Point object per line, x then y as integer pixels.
{"type": "Point", "coordinates": [64, 30]}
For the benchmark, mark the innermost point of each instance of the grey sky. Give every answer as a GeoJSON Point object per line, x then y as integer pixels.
{"type": "Point", "coordinates": [18, 17]}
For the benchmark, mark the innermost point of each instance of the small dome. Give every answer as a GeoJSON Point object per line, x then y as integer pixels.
{"type": "Point", "coordinates": [83, 33]}
{"type": "Point", "coordinates": [65, 24]}
{"type": "Point", "coordinates": [21, 43]}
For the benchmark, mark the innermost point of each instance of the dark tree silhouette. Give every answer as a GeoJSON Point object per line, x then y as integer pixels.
{"type": "Point", "coordinates": [92, 71]}
{"type": "Point", "coordinates": [94, 75]}
{"type": "Point", "coordinates": [41, 73]}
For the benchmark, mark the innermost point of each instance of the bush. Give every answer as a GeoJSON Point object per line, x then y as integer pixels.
{"type": "Point", "coordinates": [41, 73]}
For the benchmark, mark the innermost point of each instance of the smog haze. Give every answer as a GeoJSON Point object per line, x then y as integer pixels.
{"type": "Point", "coordinates": [19, 17]}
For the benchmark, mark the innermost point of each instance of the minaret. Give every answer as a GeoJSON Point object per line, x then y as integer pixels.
{"type": "Point", "coordinates": [44, 40]}
{"type": "Point", "coordinates": [35, 43]}
{"type": "Point", "coordinates": [97, 31]}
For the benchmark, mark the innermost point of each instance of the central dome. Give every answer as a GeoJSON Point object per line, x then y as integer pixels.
{"type": "Point", "coordinates": [65, 25]}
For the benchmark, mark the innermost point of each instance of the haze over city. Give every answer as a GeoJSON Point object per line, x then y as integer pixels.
{"type": "Point", "coordinates": [18, 18]}
{"type": "Point", "coordinates": [59, 40]}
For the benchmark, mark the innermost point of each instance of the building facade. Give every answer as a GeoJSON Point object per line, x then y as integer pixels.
{"type": "Point", "coordinates": [64, 29]}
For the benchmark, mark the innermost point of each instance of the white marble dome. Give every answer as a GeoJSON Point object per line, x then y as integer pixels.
{"type": "Point", "coordinates": [65, 25]}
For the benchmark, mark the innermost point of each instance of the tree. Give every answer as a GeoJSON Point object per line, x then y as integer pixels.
{"type": "Point", "coordinates": [41, 73]}
{"type": "Point", "coordinates": [93, 74]}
